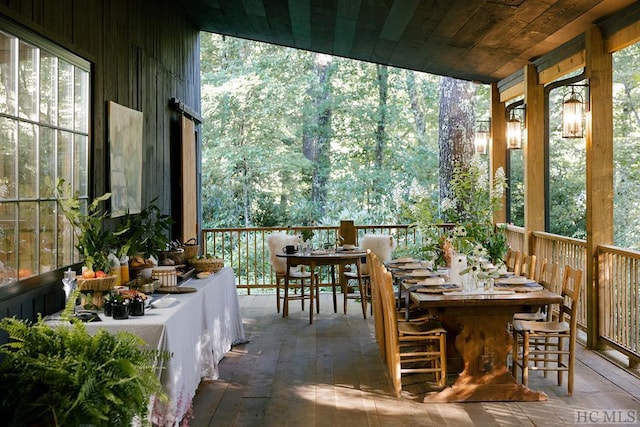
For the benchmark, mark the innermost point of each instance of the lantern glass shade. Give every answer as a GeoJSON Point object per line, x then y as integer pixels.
{"type": "Point", "coordinates": [572, 107]}
{"type": "Point", "coordinates": [514, 133]}
{"type": "Point", "coordinates": [481, 141]}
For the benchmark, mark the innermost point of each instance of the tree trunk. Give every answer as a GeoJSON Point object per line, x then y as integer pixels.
{"type": "Point", "coordinates": [317, 131]}
{"type": "Point", "coordinates": [456, 121]}
{"type": "Point", "coordinates": [383, 90]}
{"type": "Point", "coordinates": [416, 111]}
{"type": "Point", "coordinates": [382, 74]}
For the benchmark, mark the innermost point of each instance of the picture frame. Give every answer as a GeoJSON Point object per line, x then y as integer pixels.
{"type": "Point", "coordinates": [125, 127]}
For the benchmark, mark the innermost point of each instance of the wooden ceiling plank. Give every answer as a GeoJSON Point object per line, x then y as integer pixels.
{"type": "Point", "coordinates": [370, 19]}
{"type": "Point", "coordinates": [383, 50]}
{"type": "Point", "coordinates": [300, 15]}
{"type": "Point", "coordinates": [346, 22]}
{"type": "Point", "coordinates": [254, 7]}
{"type": "Point", "coordinates": [279, 21]}
{"type": "Point", "coordinates": [498, 40]}
{"type": "Point", "coordinates": [456, 17]}
{"type": "Point", "coordinates": [400, 15]}
{"type": "Point", "coordinates": [486, 18]}
{"type": "Point", "coordinates": [323, 25]}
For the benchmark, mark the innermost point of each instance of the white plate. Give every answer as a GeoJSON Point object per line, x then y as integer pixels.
{"type": "Point", "coordinates": [516, 280]}
{"type": "Point", "coordinates": [319, 252]}
{"type": "Point", "coordinates": [164, 302]}
{"type": "Point", "coordinates": [432, 281]}
{"type": "Point", "coordinates": [422, 273]}
{"type": "Point", "coordinates": [403, 260]}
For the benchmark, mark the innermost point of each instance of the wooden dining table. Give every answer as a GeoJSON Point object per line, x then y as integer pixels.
{"type": "Point", "coordinates": [318, 258]}
{"type": "Point", "coordinates": [478, 321]}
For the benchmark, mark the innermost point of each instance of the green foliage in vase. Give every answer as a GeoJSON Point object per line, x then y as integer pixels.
{"type": "Point", "coordinates": [469, 211]}
{"type": "Point", "coordinates": [306, 234]}
{"type": "Point", "coordinates": [146, 232]}
{"type": "Point", "coordinates": [64, 376]}
{"type": "Point", "coordinates": [93, 241]}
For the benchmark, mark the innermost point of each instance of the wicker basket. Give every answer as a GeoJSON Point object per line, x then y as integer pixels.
{"type": "Point", "coordinates": [98, 284]}
{"type": "Point", "coordinates": [190, 249]}
{"type": "Point", "coordinates": [212, 265]}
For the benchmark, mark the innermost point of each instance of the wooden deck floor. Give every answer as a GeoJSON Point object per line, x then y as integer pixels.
{"type": "Point", "coordinates": [291, 373]}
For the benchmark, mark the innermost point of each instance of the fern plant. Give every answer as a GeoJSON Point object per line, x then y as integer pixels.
{"type": "Point", "coordinates": [64, 376]}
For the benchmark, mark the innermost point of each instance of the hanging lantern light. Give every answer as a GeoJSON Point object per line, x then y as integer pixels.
{"type": "Point", "coordinates": [572, 108]}
{"type": "Point", "coordinates": [514, 132]}
{"type": "Point", "coordinates": [481, 141]}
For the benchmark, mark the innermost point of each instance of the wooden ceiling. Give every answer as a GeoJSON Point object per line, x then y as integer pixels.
{"type": "Point", "coordinates": [481, 40]}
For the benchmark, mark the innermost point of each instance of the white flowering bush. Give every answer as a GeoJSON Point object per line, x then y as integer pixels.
{"type": "Point", "coordinates": [470, 208]}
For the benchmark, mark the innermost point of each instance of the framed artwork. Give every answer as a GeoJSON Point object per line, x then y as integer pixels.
{"type": "Point", "coordinates": [125, 142]}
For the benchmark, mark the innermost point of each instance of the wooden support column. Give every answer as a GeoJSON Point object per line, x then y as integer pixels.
{"type": "Point", "coordinates": [498, 148]}
{"type": "Point", "coordinates": [599, 167]}
{"type": "Point", "coordinates": [533, 147]}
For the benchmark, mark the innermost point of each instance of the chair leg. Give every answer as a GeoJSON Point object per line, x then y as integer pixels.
{"type": "Point", "coordinates": [514, 354]}
{"type": "Point", "coordinates": [335, 299]}
{"type": "Point", "coordinates": [345, 294]}
{"type": "Point", "coordinates": [316, 287]}
{"type": "Point", "coordinates": [525, 359]}
{"type": "Point", "coordinates": [572, 362]}
{"type": "Point", "coordinates": [302, 294]}
{"type": "Point", "coordinates": [560, 361]}
{"type": "Point", "coordinates": [443, 360]}
{"type": "Point", "coordinates": [278, 293]}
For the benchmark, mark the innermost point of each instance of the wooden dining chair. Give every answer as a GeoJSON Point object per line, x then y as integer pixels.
{"type": "Point", "coordinates": [380, 244]}
{"type": "Point", "coordinates": [410, 347]}
{"type": "Point", "coordinates": [553, 334]}
{"type": "Point", "coordinates": [525, 265]}
{"type": "Point", "coordinates": [299, 279]}
{"type": "Point", "coordinates": [512, 259]}
{"type": "Point", "coordinates": [376, 275]}
{"type": "Point", "coordinates": [547, 277]}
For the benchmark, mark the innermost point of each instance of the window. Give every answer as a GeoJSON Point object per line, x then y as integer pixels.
{"type": "Point", "coordinates": [44, 134]}
{"type": "Point", "coordinates": [626, 147]}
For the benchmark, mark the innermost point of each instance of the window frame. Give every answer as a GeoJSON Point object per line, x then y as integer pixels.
{"type": "Point", "coordinates": [62, 251]}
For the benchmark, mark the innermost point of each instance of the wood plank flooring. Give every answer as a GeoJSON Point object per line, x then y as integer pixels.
{"type": "Point", "coordinates": [330, 373]}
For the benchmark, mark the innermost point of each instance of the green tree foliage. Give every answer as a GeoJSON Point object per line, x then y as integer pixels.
{"type": "Point", "coordinates": [626, 122]}
{"type": "Point", "coordinates": [259, 102]}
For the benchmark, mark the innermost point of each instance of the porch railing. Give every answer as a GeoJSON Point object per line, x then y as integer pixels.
{"type": "Point", "coordinates": [246, 250]}
{"type": "Point", "coordinates": [617, 281]}
{"type": "Point", "coordinates": [618, 278]}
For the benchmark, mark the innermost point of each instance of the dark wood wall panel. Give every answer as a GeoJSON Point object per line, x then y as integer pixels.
{"type": "Point", "coordinates": [143, 53]}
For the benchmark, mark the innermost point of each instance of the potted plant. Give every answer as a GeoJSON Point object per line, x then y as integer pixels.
{"type": "Point", "coordinates": [62, 375]}
{"type": "Point", "coordinates": [145, 234]}
{"type": "Point", "coordinates": [93, 242]}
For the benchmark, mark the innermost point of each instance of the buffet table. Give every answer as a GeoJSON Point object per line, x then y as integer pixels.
{"type": "Point", "coordinates": [197, 328]}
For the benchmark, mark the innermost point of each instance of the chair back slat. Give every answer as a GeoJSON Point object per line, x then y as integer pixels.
{"type": "Point", "coordinates": [376, 301]}
{"type": "Point", "coordinates": [571, 284]}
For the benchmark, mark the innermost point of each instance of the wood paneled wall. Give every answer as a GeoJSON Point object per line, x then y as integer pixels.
{"type": "Point", "coordinates": [143, 53]}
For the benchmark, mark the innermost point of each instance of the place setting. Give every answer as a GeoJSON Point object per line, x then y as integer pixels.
{"type": "Point", "coordinates": [432, 285]}
{"type": "Point", "coordinates": [517, 284]}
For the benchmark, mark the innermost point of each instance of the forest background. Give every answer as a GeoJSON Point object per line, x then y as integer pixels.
{"type": "Point", "coordinates": [292, 137]}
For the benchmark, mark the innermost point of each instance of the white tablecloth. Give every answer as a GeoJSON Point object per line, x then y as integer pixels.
{"type": "Point", "coordinates": [198, 329]}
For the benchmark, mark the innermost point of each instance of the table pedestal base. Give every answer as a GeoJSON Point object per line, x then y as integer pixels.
{"type": "Point", "coordinates": [484, 344]}
{"type": "Point", "coordinates": [501, 389]}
